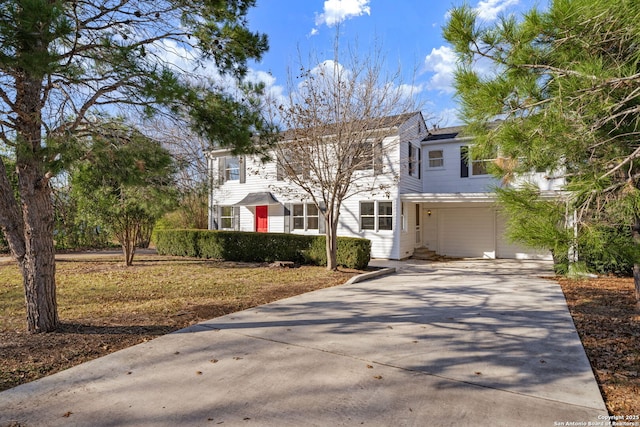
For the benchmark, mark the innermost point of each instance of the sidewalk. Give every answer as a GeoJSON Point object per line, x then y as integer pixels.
{"type": "Point", "coordinates": [465, 343]}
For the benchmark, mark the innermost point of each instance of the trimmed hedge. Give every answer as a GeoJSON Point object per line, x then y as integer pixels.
{"type": "Point", "coordinates": [261, 247]}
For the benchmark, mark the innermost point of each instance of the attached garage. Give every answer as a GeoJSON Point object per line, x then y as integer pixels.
{"type": "Point", "coordinates": [507, 249]}
{"type": "Point", "coordinates": [469, 226]}
{"type": "Point", "coordinates": [467, 232]}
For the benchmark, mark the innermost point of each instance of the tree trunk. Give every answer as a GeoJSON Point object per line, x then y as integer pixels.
{"type": "Point", "coordinates": [37, 264]}
{"type": "Point", "coordinates": [331, 225]}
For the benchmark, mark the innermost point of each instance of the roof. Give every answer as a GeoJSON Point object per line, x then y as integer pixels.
{"type": "Point", "coordinates": [444, 133]}
{"type": "Point", "coordinates": [258, 199]}
{"type": "Point", "coordinates": [452, 132]}
{"type": "Point", "coordinates": [388, 122]}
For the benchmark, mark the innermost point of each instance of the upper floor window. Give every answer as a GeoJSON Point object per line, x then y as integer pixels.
{"type": "Point", "coordinates": [468, 164]}
{"type": "Point", "coordinates": [305, 217]}
{"type": "Point", "coordinates": [370, 156]}
{"type": "Point", "coordinates": [415, 159]}
{"type": "Point", "coordinates": [290, 164]}
{"type": "Point", "coordinates": [232, 169]}
{"type": "Point", "coordinates": [436, 158]}
{"type": "Point", "coordinates": [376, 215]}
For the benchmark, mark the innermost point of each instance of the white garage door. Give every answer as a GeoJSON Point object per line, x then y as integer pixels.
{"type": "Point", "coordinates": [467, 232]}
{"type": "Point", "coordinates": [508, 249]}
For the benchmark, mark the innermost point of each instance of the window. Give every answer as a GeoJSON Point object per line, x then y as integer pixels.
{"type": "Point", "coordinates": [478, 166]}
{"type": "Point", "coordinates": [305, 217]}
{"type": "Point", "coordinates": [367, 216]}
{"type": "Point", "coordinates": [370, 156]}
{"type": "Point", "coordinates": [385, 216]}
{"type": "Point", "coordinates": [231, 169]}
{"type": "Point", "coordinates": [298, 217]}
{"type": "Point", "coordinates": [414, 160]}
{"type": "Point", "coordinates": [376, 216]}
{"type": "Point", "coordinates": [312, 217]}
{"type": "Point", "coordinates": [436, 159]}
{"type": "Point", "coordinates": [228, 217]}
{"type": "Point", "coordinates": [292, 163]}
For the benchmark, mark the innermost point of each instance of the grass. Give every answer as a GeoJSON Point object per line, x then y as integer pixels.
{"type": "Point", "coordinates": [155, 286]}
{"type": "Point", "coordinates": [105, 306]}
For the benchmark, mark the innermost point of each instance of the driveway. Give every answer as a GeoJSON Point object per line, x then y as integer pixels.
{"type": "Point", "coordinates": [464, 343]}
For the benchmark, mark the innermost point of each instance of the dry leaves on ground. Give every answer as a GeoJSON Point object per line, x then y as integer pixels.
{"type": "Point", "coordinates": [607, 318]}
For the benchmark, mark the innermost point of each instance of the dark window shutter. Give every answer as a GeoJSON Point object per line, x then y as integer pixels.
{"type": "Point", "coordinates": [287, 217]}
{"type": "Point", "coordinates": [242, 165]}
{"type": "Point", "coordinates": [222, 163]}
{"type": "Point", "coordinates": [419, 149]}
{"type": "Point", "coordinates": [464, 161]}
{"type": "Point", "coordinates": [236, 218]}
{"type": "Point", "coordinates": [321, 225]}
{"type": "Point", "coordinates": [377, 157]}
{"type": "Point", "coordinates": [214, 217]}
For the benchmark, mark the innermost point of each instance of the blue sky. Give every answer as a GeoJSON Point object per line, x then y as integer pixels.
{"type": "Point", "coordinates": [410, 32]}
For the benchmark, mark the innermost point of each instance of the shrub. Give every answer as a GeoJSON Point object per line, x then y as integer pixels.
{"type": "Point", "coordinates": [261, 247]}
{"type": "Point", "coordinates": [352, 252]}
{"type": "Point", "coordinates": [177, 242]}
{"type": "Point", "coordinates": [251, 247]}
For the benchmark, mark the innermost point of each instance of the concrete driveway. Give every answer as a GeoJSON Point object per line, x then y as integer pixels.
{"type": "Point", "coordinates": [464, 343]}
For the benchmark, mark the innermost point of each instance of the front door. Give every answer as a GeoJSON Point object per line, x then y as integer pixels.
{"type": "Point", "coordinates": [262, 219]}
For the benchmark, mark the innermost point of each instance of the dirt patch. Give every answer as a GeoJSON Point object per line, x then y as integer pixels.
{"type": "Point", "coordinates": [608, 321]}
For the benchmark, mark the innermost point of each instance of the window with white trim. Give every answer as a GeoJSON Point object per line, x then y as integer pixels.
{"type": "Point", "coordinates": [231, 169]}
{"type": "Point", "coordinates": [377, 215]}
{"type": "Point", "coordinates": [436, 159]}
{"type": "Point", "coordinates": [305, 216]}
{"type": "Point", "coordinates": [414, 160]}
{"type": "Point", "coordinates": [470, 166]}
{"type": "Point", "coordinates": [228, 217]}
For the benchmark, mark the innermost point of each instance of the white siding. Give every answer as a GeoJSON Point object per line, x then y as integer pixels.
{"type": "Point", "coordinates": [456, 227]}
{"type": "Point", "coordinates": [446, 179]}
{"type": "Point", "coordinates": [407, 242]}
{"type": "Point", "coordinates": [413, 131]}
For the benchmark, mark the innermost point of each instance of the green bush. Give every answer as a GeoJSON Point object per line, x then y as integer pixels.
{"type": "Point", "coordinates": [177, 242]}
{"type": "Point", "coordinates": [261, 247]}
{"type": "Point", "coordinates": [251, 247]}
{"type": "Point", "coordinates": [352, 252]}
{"type": "Point", "coordinates": [602, 250]}
{"type": "Point", "coordinates": [608, 250]}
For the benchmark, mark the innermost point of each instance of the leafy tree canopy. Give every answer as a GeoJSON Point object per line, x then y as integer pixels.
{"type": "Point", "coordinates": [565, 83]}
{"type": "Point", "coordinates": [124, 185]}
{"type": "Point", "coordinates": [64, 63]}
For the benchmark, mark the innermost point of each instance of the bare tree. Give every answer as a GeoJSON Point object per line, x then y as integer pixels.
{"type": "Point", "coordinates": [339, 119]}
{"type": "Point", "coordinates": [191, 179]}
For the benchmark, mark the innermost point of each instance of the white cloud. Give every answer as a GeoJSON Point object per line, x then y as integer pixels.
{"type": "Point", "coordinates": [273, 91]}
{"type": "Point", "coordinates": [336, 11]}
{"type": "Point", "coordinates": [442, 62]}
{"type": "Point", "coordinates": [490, 9]}
{"type": "Point", "coordinates": [445, 118]}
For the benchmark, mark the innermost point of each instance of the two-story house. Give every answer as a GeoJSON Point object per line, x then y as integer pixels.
{"type": "Point", "coordinates": [434, 197]}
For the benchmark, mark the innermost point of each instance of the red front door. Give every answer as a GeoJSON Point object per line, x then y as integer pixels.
{"type": "Point", "coordinates": [262, 219]}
